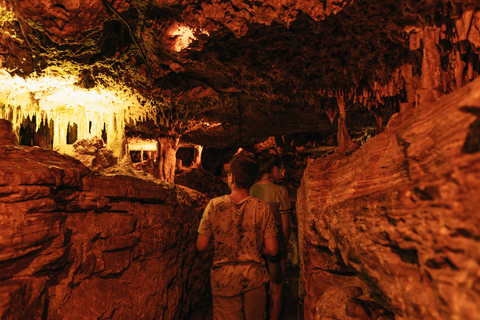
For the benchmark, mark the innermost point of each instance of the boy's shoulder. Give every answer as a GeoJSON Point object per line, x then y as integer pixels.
{"type": "Point", "coordinates": [257, 201]}
{"type": "Point", "coordinates": [220, 199]}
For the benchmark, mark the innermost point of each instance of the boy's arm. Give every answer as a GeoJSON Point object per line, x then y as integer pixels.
{"type": "Point", "coordinates": [286, 227]}
{"type": "Point", "coordinates": [270, 247]}
{"type": "Point", "coordinates": [204, 243]}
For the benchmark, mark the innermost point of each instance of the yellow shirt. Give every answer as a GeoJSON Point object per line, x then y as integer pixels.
{"type": "Point", "coordinates": [238, 231]}
{"type": "Point", "coordinates": [276, 196]}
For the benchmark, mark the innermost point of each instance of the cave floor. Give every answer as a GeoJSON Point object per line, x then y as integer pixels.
{"type": "Point", "coordinates": [293, 306]}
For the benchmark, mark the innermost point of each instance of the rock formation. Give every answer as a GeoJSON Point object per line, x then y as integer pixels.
{"type": "Point", "coordinates": [78, 245]}
{"type": "Point", "coordinates": [401, 213]}
{"type": "Point", "coordinates": [379, 95]}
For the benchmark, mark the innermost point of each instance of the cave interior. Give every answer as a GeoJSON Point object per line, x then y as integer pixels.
{"type": "Point", "coordinates": [117, 118]}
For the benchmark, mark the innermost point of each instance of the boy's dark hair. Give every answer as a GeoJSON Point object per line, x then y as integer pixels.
{"type": "Point", "coordinates": [266, 161]}
{"type": "Point", "coordinates": [244, 169]}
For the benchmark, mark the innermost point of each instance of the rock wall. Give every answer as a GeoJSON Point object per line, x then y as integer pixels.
{"type": "Point", "coordinates": [74, 245]}
{"type": "Point", "coordinates": [402, 214]}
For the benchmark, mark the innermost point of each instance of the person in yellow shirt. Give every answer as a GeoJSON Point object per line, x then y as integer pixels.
{"type": "Point", "coordinates": [270, 173]}
{"type": "Point", "coordinates": [239, 228]}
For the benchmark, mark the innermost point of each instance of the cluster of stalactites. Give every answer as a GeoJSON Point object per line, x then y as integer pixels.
{"type": "Point", "coordinates": [110, 125]}
{"type": "Point", "coordinates": [55, 102]}
{"type": "Point", "coordinates": [461, 29]}
{"type": "Point", "coordinates": [88, 124]}
{"type": "Point", "coordinates": [460, 32]}
{"type": "Point", "coordinates": [370, 96]}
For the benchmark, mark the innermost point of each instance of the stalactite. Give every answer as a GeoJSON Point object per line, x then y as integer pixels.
{"type": "Point", "coordinates": [470, 64]}
{"type": "Point", "coordinates": [415, 39]}
{"type": "Point", "coordinates": [476, 20]}
{"type": "Point", "coordinates": [350, 94]}
{"type": "Point", "coordinates": [365, 92]}
{"type": "Point", "coordinates": [197, 157]}
{"type": "Point", "coordinates": [331, 113]}
{"type": "Point", "coordinates": [445, 81]}
{"type": "Point", "coordinates": [392, 86]}
{"type": "Point", "coordinates": [462, 25]}
{"type": "Point", "coordinates": [458, 66]}
{"type": "Point", "coordinates": [431, 80]}
{"type": "Point", "coordinates": [378, 122]}
{"type": "Point", "coordinates": [443, 31]}
{"type": "Point", "coordinates": [345, 143]}
{"type": "Point", "coordinates": [158, 161]}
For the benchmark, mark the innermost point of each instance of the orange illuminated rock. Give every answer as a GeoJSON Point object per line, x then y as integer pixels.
{"type": "Point", "coordinates": [74, 245]}
{"type": "Point", "coordinates": [7, 136]}
{"type": "Point", "coordinates": [402, 212]}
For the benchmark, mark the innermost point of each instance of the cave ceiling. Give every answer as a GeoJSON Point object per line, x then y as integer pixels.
{"type": "Point", "coordinates": [259, 68]}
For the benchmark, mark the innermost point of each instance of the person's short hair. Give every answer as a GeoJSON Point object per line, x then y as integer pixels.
{"type": "Point", "coordinates": [266, 161]}
{"type": "Point", "coordinates": [244, 169]}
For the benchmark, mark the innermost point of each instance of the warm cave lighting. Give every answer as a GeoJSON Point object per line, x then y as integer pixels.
{"type": "Point", "coordinates": [139, 147]}
{"type": "Point", "coordinates": [181, 35]}
{"type": "Point", "coordinates": [211, 125]}
{"type": "Point", "coordinates": [55, 101]}
{"type": "Point", "coordinates": [137, 144]}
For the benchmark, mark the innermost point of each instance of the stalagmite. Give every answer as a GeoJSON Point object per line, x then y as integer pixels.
{"type": "Point", "coordinates": [116, 139]}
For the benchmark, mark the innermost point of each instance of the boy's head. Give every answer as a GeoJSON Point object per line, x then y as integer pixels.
{"type": "Point", "coordinates": [244, 169]}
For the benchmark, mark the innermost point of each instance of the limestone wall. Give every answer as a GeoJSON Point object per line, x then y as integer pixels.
{"type": "Point", "coordinates": [401, 213]}
{"type": "Point", "coordinates": [79, 246]}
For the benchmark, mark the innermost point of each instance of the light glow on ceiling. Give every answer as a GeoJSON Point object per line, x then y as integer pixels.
{"type": "Point", "coordinates": [211, 125]}
{"type": "Point", "coordinates": [182, 36]}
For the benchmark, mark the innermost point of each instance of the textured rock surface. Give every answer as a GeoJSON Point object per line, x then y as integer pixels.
{"type": "Point", "coordinates": [402, 211]}
{"type": "Point", "coordinates": [91, 152]}
{"type": "Point", "coordinates": [79, 246]}
{"type": "Point", "coordinates": [7, 136]}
